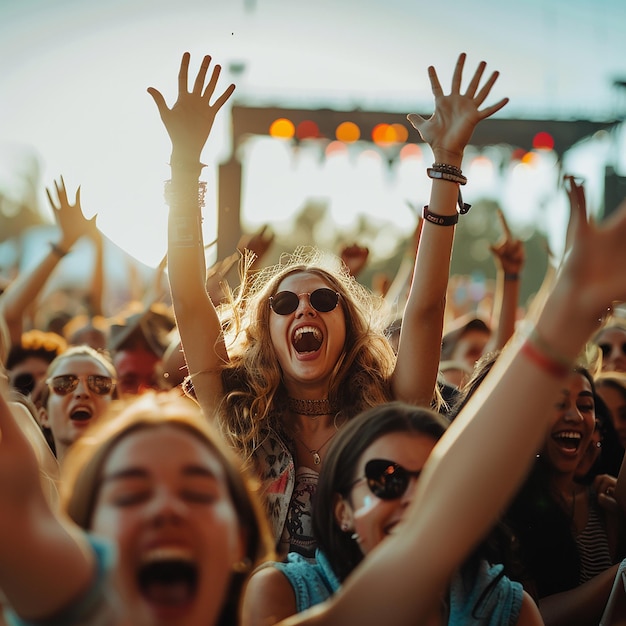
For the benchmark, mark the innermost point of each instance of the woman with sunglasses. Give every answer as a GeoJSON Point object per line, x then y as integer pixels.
{"type": "Point", "coordinates": [367, 482]}
{"type": "Point", "coordinates": [81, 384]}
{"type": "Point", "coordinates": [302, 349]}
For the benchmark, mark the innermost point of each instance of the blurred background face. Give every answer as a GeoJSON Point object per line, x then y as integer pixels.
{"type": "Point", "coordinates": [165, 503]}
{"type": "Point", "coordinates": [67, 416]}
{"type": "Point", "coordinates": [27, 373]}
{"type": "Point", "coordinates": [138, 370]}
{"type": "Point", "coordinates": [612, 343]}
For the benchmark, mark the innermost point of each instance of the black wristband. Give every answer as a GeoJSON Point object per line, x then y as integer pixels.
{"type": "Point", "coordinates": [511, 276]}
{"type": "Point", "coordinates": [439, 220]}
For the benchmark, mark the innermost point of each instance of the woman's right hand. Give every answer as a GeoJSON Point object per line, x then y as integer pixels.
{"type": "Point", "coordinates": [189, 121]}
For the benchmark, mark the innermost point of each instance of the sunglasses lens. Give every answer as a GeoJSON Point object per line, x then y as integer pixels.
{"type": "Point", "coordinates": [284, 302]}
{"type": "Point", "coordinates": [385, 479]}
{"type": "Point", "coordinates": [24, 383]}
{"type": "Point", "coordinates": [102, 385]}
{"type": "Point", "coordinates": [324, 300]}
{"type": "Point", "coordinates": [62, 385]}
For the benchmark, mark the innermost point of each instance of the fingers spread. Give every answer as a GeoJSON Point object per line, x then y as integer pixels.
{"type": "Point", "coordinates": [473, 86]}
{"type": "Point", "coordinates": [458, 73]}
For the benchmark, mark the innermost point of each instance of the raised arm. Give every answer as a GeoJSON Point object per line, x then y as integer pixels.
{"type": "Point", "coordinates": [509, 257]}
{"type": "Point", "coordinates": [27, 286]}
{"type": "Point", "coordinates": [33, 541]}
{"type": "Point", "coordinates": [447, 132]}
{"type": "Point", "coordinates": [188, 123]}
{"type": "Point", "coordinates": [492, 443]}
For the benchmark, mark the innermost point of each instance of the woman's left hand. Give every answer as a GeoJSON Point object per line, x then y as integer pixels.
{"type": "Point", "coordinates": [450, 127]}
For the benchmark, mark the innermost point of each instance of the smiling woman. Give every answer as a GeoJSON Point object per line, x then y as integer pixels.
{"type": "Point", "coordinates": [302, 349]}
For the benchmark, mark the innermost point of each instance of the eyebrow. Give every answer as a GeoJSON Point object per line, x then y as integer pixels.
{"type": "Point", "coordinates": [138, 472]}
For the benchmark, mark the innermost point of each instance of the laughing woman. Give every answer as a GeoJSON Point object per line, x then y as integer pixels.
{"type": "Point", "coordinates": [302, 348]}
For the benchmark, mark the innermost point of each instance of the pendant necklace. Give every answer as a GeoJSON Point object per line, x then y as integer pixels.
{"type": "Point", "coordinates": [315, 453]}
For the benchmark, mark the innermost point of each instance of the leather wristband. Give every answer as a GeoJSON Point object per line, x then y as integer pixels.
{"type": "Point", "coordinates": [439, 220]}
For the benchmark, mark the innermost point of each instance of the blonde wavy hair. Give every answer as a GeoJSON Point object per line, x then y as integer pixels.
{"type": "Point", "coordinates": [256, 398]}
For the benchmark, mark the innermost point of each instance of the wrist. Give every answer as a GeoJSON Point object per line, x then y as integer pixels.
{"type": "Point", "coordinates": [449, 157]}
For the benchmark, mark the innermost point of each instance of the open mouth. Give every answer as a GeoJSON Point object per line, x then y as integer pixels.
{"type": "Point", "coordinates": [307, 339]}
{"type": "Point", "coordinates": [81, 415]}
{"type": "Point", "coordinates": [168, 580]}
{"type": "Point", "coordinates": [568, 440]}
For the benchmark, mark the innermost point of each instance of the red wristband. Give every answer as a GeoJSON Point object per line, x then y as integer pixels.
{"type": "Point", "coordinates": [542, 360]}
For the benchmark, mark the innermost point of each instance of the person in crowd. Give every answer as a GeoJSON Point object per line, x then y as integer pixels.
{"type": "Point", "coordinates": [164, 524]}
{"type": "Point", "coordinates": [24, 289]}
{"type": "Point", "coordinates": [137, 343]}
{"type": "Point", "coordinates": [81, 385]}
{"type": "Point", "coordinates": [469, 336]}
{"type": "Point", "coordinates": [304, 348]}
{"type": "Point", "coordinates": [611, 387]}
{"type": "Point", "coordinates": [365, 487]}
{"type": "Point", "coordinates": [28, 360]}
{"type": "Point", "coordinates": [611, 339]}
{"type": "Point", "coordinates": [567, 529]}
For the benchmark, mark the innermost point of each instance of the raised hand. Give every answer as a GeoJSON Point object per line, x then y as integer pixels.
{"type": "Point", "coordinates": [450, 127]}
{"type": "Point", "coordinates": [69, 216]}
{"type": "Point", "coordinates": [354, 258]}
{"type": "Point", "coordinates": [189, 121]}
{"type": "Point", "coordinates": [596, 257]}
{"type": "Point", "coordinates": [258, 243]}
{"type": "Point", "coordinates": [508, 252]}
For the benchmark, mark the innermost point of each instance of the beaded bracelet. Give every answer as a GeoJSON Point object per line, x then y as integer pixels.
{"type": "Point", "coordinates": [175, 198]}
{"type": "Point", "coordinates": [439, 220]}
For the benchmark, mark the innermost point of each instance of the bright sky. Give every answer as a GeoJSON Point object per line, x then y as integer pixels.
{"type": "Point", "coordinates": [75, 73]}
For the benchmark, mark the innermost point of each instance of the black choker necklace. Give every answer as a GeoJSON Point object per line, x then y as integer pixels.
{"type": "Point", "coordinates": [313, 408]}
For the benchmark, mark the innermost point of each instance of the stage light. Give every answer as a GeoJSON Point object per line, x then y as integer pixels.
{"type": "Point", "coordinates": [348, 132]}
{"type": "Point", "coordinates": [282, 128]}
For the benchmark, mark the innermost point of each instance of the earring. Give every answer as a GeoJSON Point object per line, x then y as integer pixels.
{"type": "Point", "coordinates": [242, 567]}
{"type": "Point", "coordinates": [344, 527]}
{"type": "Point", "coordinates": [355, 537]}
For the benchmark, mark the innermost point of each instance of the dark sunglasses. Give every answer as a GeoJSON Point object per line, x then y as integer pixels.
{"type": "Point", "coordinates": [387, 480]}
{"type": "Point", "coordinates": [66, 383]}
{"type": "Point", "coordinates": [607, 348]}
{"type": "Point", "coordinates": [322, 300]}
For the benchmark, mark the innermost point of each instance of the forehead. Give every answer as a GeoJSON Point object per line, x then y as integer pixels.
{"type": "Point", "coordinates": [578, 383]}
{"type": "Point", "coordinates": [134, 360]}
{"type": "Point", "coordinates": [410, 449]}
{"type": "Point", "coordinates": [302, 282]}
{"type": "Point", "coordinates": [162, 449]}
{"type": "Point", "coordinates": [80, 364]}
{"type": "Point", "coordinates": [612, 335]}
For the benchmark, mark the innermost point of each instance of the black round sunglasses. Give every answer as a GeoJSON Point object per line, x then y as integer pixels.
{"type": "Point", "coordinates": [387, 480]}
{"type": "Point", "coordinates": [322, 300]}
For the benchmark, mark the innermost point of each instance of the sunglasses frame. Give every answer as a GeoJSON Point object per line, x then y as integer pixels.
{"type": "Point", "coordinates": [375, 478]}
{"type": "Point", "coordinates": [88, 378]}
{"type": "Point", "coordinates": [311, 297]}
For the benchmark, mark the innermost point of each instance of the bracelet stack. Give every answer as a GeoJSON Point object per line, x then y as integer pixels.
{"type": "Point", "coordinates": [453, 174]}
